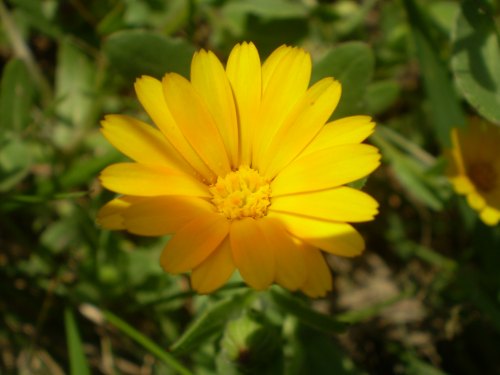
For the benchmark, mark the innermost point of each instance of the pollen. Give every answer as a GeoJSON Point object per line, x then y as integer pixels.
{"type": "Point", "coordinates": [241, 193]}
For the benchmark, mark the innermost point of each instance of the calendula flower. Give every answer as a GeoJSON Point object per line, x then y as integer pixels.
{"type": "Point", "coordinates": [474, 167]}
{"type": "Point", "coordinates": [242, 171]}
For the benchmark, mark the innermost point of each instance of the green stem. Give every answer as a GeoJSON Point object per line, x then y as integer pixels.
{"type": "Point", "coordinates": [43, 199]}
{"type": "Point", "coordinates": [183, 295]}
{"type": "Point", "coordinates": [412, 149]}
{"type": "Point", "coordinates": [358, 316]}
{"type": "Point", "coordinates": [146, 343]}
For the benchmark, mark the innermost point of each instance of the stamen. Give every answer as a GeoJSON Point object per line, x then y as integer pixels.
{"type": "Point", "coordinates": [242, 193]}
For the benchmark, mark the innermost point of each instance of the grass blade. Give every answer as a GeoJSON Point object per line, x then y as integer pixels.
{"type": "Point", "coordinates": [77, 360]}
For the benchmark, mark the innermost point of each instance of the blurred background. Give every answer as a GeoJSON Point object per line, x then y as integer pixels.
{"type": "Point", "coordinates": [423, 299]}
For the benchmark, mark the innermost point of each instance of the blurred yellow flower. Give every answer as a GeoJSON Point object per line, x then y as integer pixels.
{"type": "Point", "coordinates": [474, 167]}
{"type": "Point", "coordinates": [243, 171]}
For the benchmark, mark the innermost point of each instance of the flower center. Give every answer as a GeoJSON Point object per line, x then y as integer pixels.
{"type": "Point", "coordinates": [242, 193]}
{"type": "Point", "coordinates": [483, 175]}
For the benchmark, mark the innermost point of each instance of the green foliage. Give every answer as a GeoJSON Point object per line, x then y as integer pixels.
{"type": "Point", "coordinates": [136, 53]}
{"type": "Point", "coordinates": [317, 354]}
{"type": "Point", "coordinates": [446, 110]}
{"type": "Point", "coordinates": [251, 344]}
{"type": "Point", "coordinates": [211, 322]}
{"type": "Point", "coordinates": [265, 9]}
{"type": "Point", "coordinates": [15, 161]}
{"type": "Point", "coordinates": [381, 95]}
{"type": "Point", "coordinates": [75, 84]}
{"type": "Point", "coordinates": [305, 315]}
{"type": "Point", "coordinates": [16, 98]}
{"type": "Point", "coordinates": [145, 342]}
{"type": "Point", "coordinates": [476, 59]}
{"type": "Point", "coordinates": [414, 168]}
{"type": "Point", "coordinates": [352, 65]}
{"type": "Point", "coordinates": [77, 299]}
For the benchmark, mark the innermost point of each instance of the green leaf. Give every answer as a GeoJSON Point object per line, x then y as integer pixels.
{"type": "Point", "coordinates": [445, 106]}
{"type": "Point", "coordinates": [143, 264]}
{"type": "Point", "coordinates": [267, 23]}
{"type": "Point", "coordinates": [77, 360]}
{"type": "Point", "coordinates": [16, 97]}
{"type": "Point", "coordinates": [315, 353]}
{"type": "Point", "coordinates": [15, 162]}
{"type": "Point", "coordinates": [358, 184]}
{"type": "Point", "coordinates": [349, 16]}
{"type": "Point", "coordinates": [476, 59]}
{"type": "Point", "coordinates": [412, 177]}
{"type": "Point", "coordinates": [177, 16]}
{"type": "Point", "coordinates": [251, 344]}
{"type": "Point", "coordinates": [381, 95]}
{"type": "Point", "coordinates": [210, 322]}
{"type": "Point", "coordinates": [269, 34]}
{"type": "Point", "coordinates": [39, 14]}
{"type": "Point", "coordinates": [60, 235]}
{"type": "Point", "coordinates": [417, 174]}
{"type": "Point", "coordinates": [75, 77]}
{"type": "Point", "coordinates": [352, 64]}
{"type": "Point", "coordinates": [357, 316]}
{"type": "Point", "coordinates": [136, 53]}
{"type": "Point", "coordinates": [265, 9]}
{"type": "Point", "coordinates": [83, 171]}
{"type": "Point", "coordinates": [292, 305]}
{"type": "Point", "coordinates": [416, 366]}
{"type": "Point", "coordinates": [444, 14]}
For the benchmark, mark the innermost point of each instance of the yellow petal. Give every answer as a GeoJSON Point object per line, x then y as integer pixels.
{"type": "Point", "coordinates": [195, 122]}
{"type": "Point", "coordinates": [336, 238]}
{"type": "Point", "coordinates": [149, 180]}
{"type": "Point", "coordinates": [271, 63]}
{"type": "Point", "coordinates": [348, 130]}
{"type": "Point", "coordinates": [289, 259]}
{"type": "Point", "coordinates": [462, 184]}
{"type": "Point", "coordinates": [157, 216]}
{"type": "Point", "coordinates": [211, 82]}
{"type": "Point", "coordinates": [338, 204]}
{"type": "Point", "coordinates": [319, 281]}
{"type": "Point", "coordinates": [302, 125]}
{"type": "Point", "coordinates": [326, 169]}
{"type": "Point", "coordinates": [150, 93]}
{"type": "Point", "coordinates": [490, 216]}
{"type": "Point", "coordinates": [244, 72]}
{"type": "Point", "coordinates": [141, 142]}
{"type": "Point", "coordinates": [475, 200]}
{"type": "Point", "coordinates": [214, 271]}
{"type": "Point", "coordinates": [194, 243]}
{"type": "Point", "coordinates": [252, 253]}
{"type": "Point", "coordinates": [283, 87]}
{"type": "Point", "coordinates": [110, 216]}
{"type": "Point", "coordinates": [457, 161]}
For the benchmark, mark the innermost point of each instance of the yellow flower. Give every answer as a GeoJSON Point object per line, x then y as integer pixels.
{"type": "Point", "coordinates": [474, 167]}
{"type": "Point", "coordinates": [243, 171]}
